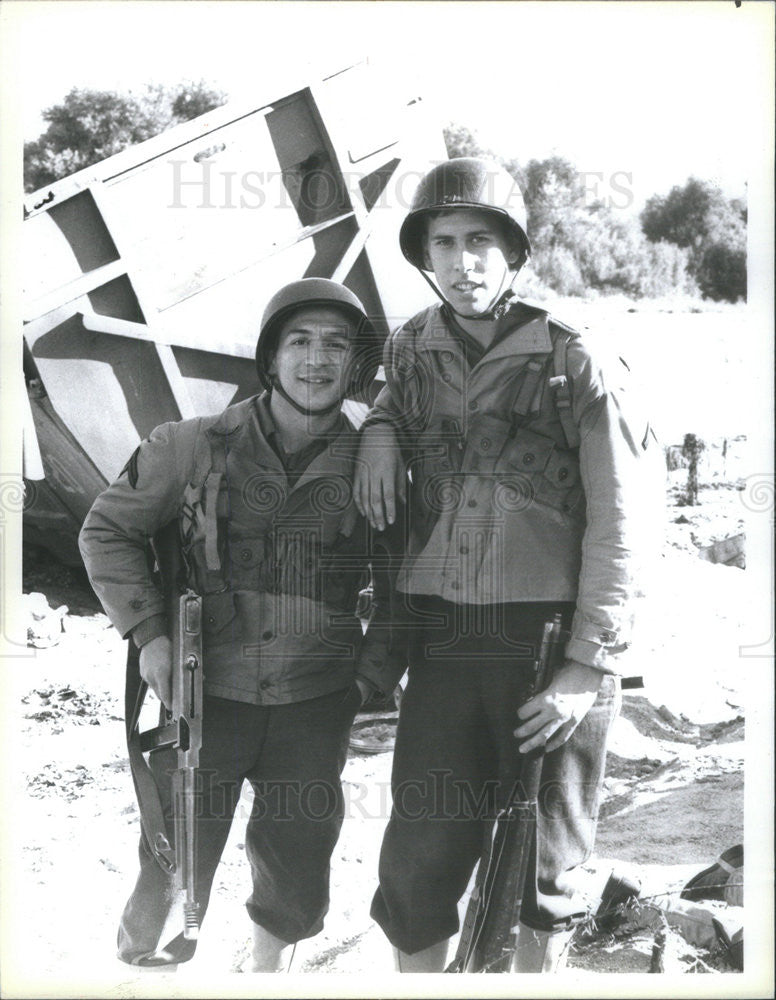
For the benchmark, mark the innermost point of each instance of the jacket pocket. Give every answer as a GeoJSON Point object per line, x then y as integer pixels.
{"type": "Point", "coordinates": [560, 485]}
{"type": "Point", "coordinates": [219, 623]}
{"type": "Point", "coordinates": [551, 474]}
{"type": "Point", "coordinates": [246, 569]}
{"type": "Point", "coordinates": [486, 440]}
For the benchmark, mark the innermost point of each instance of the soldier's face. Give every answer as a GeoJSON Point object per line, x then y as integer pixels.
{"type": "Point", "coordinates": [470, 256]}
{"type": "Point", "coordinates": [313, 356]}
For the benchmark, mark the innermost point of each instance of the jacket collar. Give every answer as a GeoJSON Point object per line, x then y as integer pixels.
{"type": "Point", "coordinates": [531, 337]}
{"type": "Point", "coordinates": [243, 426]}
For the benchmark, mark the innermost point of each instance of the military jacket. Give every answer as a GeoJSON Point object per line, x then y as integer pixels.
{"type": "Point", "coordinates": [279, 564]}
{"type": "Point", "coordinates": [510, 498]}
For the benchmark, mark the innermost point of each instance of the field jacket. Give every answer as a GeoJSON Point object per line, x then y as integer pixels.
{"type": "Point", "coordinates": [279, 563]}
{"type": "Point", "coordinates": [525, 485]}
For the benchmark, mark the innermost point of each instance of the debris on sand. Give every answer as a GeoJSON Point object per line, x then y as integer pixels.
{"type": "Point", "coordinates": [44, 624]}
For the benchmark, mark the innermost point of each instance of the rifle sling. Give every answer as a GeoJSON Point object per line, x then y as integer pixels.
{"type": "Point", "coordinates": [146, 791]}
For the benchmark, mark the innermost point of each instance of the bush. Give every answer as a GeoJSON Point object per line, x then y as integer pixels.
{"type": "Point", "coordinates": [557, 268]}
{"type": "Point", "coordinates": [722, 273]}
{"type": "Point", "coordinates": [691, 241]}
{"type": "Point", "coordinates": [712, 228]}
{"type": "Point", "coordinates": [90, 125]}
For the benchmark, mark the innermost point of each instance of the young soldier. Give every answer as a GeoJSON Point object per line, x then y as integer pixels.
{"type": "Point", "coordinates": [526, 487]}
{"type": "Point", "coordinates": [273, 543]}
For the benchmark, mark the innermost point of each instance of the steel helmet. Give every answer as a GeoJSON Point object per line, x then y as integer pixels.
{"type": "Point", "coordinates": [465, 182]}
{"type": "Point", "coordinates": [319, 292]}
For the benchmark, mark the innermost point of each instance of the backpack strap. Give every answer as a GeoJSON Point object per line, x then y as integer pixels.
{"type": "Point", "coordinates": [199, 511]}
{"type": "Point", "coordinates": [559, 384]}
{"type": "Point", "coordinates": [212, 485]}
{"type": "Point", "coordinates": [528, 392]}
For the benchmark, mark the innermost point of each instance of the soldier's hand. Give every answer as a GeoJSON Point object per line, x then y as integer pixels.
{"type": "Point", "coordinates": [156, 668]}
{"type": "Point", "coordinates": [552, 715]}
{"type": "Point", "coordinates": [379, 482]}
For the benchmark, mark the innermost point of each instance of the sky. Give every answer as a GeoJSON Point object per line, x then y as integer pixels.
{"type": "Point", "coordinates": [640, 95]}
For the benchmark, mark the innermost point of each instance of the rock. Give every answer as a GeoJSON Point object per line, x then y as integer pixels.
{"type": "Point", "coordinates": [727, 551]}
{"type": "Point", "coordinates": [44, 624]}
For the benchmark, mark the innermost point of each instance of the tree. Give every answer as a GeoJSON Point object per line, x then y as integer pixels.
{"type": "Point", "coordinates": [698, 217]}
{"type": "Point", "coordinates": [580, 246]}
{"type": "Point", "coordinates": [462, 141]}
{"type": "Point", "coordinates": [90, 125]}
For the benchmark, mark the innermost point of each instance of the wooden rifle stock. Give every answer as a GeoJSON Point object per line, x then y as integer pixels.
{"type": "Point", "coordinates": [487, 940]}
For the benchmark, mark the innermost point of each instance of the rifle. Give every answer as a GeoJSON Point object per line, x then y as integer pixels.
{"type": "Point", "coordinates": [488, 936]}
{"type": "Point", "coordinates": [179, 728]}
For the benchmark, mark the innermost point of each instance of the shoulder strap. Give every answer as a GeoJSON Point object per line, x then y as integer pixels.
{"type": "Point", "coordinates": [528, 395]}
{"type": "Point", "coordinates": [559, 383]}
{"type": "Point", "coordinates": [205, 481]}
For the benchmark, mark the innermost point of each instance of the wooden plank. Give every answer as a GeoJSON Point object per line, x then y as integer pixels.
{"type": "Point", "coordinates": [176, 381]}
{"type": "Point", "coordinates": [82, 285]}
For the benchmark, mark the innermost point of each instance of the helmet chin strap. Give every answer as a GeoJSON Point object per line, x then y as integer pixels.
{"type": "Point", "coordinates": [497, 308]}
{"type": "Point", "coordinates": [306, 411]}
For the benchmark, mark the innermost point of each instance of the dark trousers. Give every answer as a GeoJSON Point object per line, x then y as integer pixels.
{"type": "Point", "coordinates": [456, 762]}
{"type": "Point", "coordinates": [293, 756]}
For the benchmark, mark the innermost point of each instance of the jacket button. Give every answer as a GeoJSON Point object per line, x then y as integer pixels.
{"type": "Point", "coordinates": [137, 604]}
{"type": "Point", "coordinates": [447, 377]}
{"type": "Point", "coordinates": [563, 474]}
{"type": "Point", "coordinates": [266, 635]}
{"type": "Point", "coordinates": [471, 503]}
{"type": "Point", "coordinates": [474, 405]}
{"type": "Point", "coordinates": [529, 458]}
{"type": "Point", "coordinates": [245, 555]}
{"type": "Point", "coordinates": [455, 585]}
{"type": "Point", "coordinates": [464, 550]}
{"type": "Point", "coordinates": [447, 357]}
{"type": "Point", "coordinates": [265, 684]}
{"type": "Point", "coordinates": [485, 444]}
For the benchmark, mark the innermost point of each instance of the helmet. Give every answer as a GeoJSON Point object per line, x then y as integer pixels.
{"type": "Point", "coordinates": [319, 292]}
{"type": "Point", "coordinates": [465, 182]}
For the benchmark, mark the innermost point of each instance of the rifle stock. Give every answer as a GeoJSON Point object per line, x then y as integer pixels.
{"type": "Point", "coordinates": [487, 940]}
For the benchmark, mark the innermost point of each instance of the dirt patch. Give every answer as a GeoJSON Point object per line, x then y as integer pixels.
{"type": "Point", "coordinates": [674, 828]}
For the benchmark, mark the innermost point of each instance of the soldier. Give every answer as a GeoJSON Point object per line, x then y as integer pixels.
{"type": "Point", "coordinates": [273, 543]}
{"type": "Point", "coordinates": [527, 473]}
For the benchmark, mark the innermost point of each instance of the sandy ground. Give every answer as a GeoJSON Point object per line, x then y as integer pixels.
{"type": "Point", "coordinates": [673, 797]}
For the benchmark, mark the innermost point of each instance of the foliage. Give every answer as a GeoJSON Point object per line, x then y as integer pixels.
{"type": "Point", "coordinates": [698, 217]}
{"type": "Point", "coordinates": [691, 241]}
{"type": "Point", "coordinates": [721, 273]}
{"type": "Point", "coordinates": [90, 125]}
{"type": "Point", "coordinates": [462, 141]}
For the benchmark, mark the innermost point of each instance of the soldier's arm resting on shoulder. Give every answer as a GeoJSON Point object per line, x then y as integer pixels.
{"type": "Point", "coordinates": [114, 547]}
{"type": "Point", "coordinates": [380, 475]}
{"type": "Point", "coordinates": [379, 485]}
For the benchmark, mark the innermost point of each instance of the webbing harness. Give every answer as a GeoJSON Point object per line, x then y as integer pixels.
{"type": "Point", "coordinates": [529, 389]}
{"type": "Point", "coordinates": [200, 520]}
